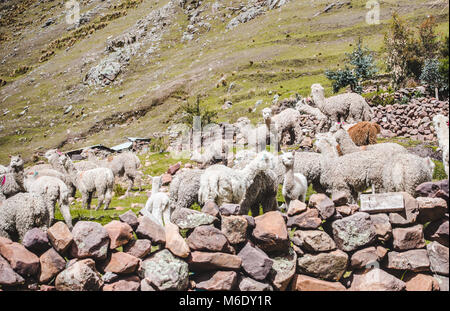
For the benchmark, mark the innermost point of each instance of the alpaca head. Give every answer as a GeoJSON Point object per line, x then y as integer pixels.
{"type": "Point", "coordinates": [340, 135]}
{"type": "Point", "coordinates": [266, 113]}
{"type": "Point", "coordinates": [440, 122]}
{"type": "Point", "coordinates": [326, 143]}
{"type": "Point", "coordinates": [16, 162]}
{"type": "Point", "coordinates": [65, 161]}
{"type": "Point", "coordinates": [51, 154]}
{"type": "Point", "coordinates": [287, 158]}
{"type": "Point", "coordinates": [317, 92]}
{"type": "Point", "coordinates": [264, 161]}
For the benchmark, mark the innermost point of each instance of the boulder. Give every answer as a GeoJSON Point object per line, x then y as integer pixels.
{"type": "Point", "coordinates": [148, 229]}
{"type": "Point", "coordinates": [228, 209]}
{"type": "Point", "coordinates": [129, 283]}
{"type": "Point", "coordinates": [329, 266]}
{"type": "Point", "coordinates": [90, 240]}
{"type": "Point", "coordinates": [80, 276]}
{"type": "Point", "coordinates": [60, 236]}
{"type": "Point", "coordinates": [19, 258]}
{"type": "Point", "coordinates": [296, 207]}
{"type": "Point", "coordinates": [186, 218]}
{"type": "Point", "coordinates": [220, 280]}
{"type": "Point", "coordinates": [165, 271]}
{"type": "Point", "coordinates": [339, 198]}
{"type": "Point", "coordinates": [308, 220]}
{"type": "Point", "coordinates": [173, 168]}
{"type": "Point", "coordinates": [270, 233]}
{"type": "Point", "coordinates": [36, 241]}
{"type": "Point", "coordinates": [51, 264]}
{"type": "Point", "coordinates": [120, 233]}
{"type": "Point", "coordinates": [353, 232]}
{"type": "Point", "coordinates": [235, 228]}
{"type": "Point", "coordinates": [130, 218]}
{"type": "Point", "coordinates": [138, 248]}
{"type": "Point", "coordinates": [211, 208]}
{"type": "Point", "coordinates": [431, 209]}
{"type": "Point", "coordinates": [306, 283]}
{"type": "Point", "coordinates": [175, 242]}
{"type": "Point", "coordinates": [208, 238]}
{"type": "Point", "coordinates": [255, 262]}
{"type": "Point", "coordinates": [438, 231]}
{"type": "Point", "coordinates": [205, 261]}
{"type": "Point", "coordinates": [283, 269]}
{"type": "Point", "coordinates": [323, 204]}
{"type": "Point", "coordinates": [382, 226]}
{"type": "Point", "coordinates": [438, 255]}
{"type": "Point", "coordinates": [420, 282]}
{"type": "Point", "coordinates": [408, 238]}
{"type": "Point", "coordinates": [367, 257]}
{"type": "Point", "coordinates": [409, 215]}
{"type": "Point", "coordinates": [315, 241]}
{"type": "Point", "coordinates": [413, 260]}
{"type": "Point", "coordinates": [8, 276]}
{"type": "Point", "coordinates": [121, 263]}
{"type": "Point", "coordinates": [247, 284]}
{"type": "Point", "coordinates": [376, 279]}
{"type": "Point", "coordinates": [443, 282]}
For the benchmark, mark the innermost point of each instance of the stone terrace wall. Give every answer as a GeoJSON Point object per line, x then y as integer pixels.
{"type": "Point", "coordinates": [334, 247]}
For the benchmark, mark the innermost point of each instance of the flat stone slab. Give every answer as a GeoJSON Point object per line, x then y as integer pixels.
{"type": "Point", "coordinates": [382, 202]}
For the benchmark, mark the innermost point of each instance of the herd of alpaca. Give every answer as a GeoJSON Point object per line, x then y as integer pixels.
{"type": "Point", "coordinates": [348, 160]}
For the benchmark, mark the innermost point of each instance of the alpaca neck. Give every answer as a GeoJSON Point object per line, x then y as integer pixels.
{"type": "Point", "coordinates": [319, 100]}
{"type": "Point", "coordinates": [155, 185]}
{"type": "Point", "coordinates": [347, 145]}
{"type": "Point", "coordinates": [72, 171]}
{"type": "Point", "coordinates": [250, 171]}
{"type": "Point", "coordinates": [17, 172]}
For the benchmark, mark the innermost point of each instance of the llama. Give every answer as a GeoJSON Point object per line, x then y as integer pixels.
{"type": "Point", "coordinates": [100, 180]}
{"type": "Point", "coordinates": [222, 184]}
{"type": "Point", "coordinates": [12, 182]}
{"type": "Point", "coordinates": [440, 124]}
{"type": "Point", "coordinates": [349, 107]}
{"type": "Point", "coordinates": [125, 165]}
{"type": "Point", "coordinates": [55, 190]}
{"type": "Point", "coordinates": [364, 133]}
{"type": "Point", "coordinates": [295, 185]}
{"type": "Point", "coordinates": [22, 212]}
{"type": "Point", "coordinates": [157, 206]}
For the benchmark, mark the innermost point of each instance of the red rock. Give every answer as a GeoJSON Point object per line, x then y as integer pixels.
{"type": "Point", "coordinates": [138, 248]}
{"type": "Point", "coordinates": [306, 283]}
{"type": "Point", "coordinates": [120, 233]}
{"type": "Point", "coordinates": [203, 261]}
{"type": "Point", "coordinates": [166, 179]}
{"type": "Point", "coordinates": [408, 238]}
{"type": "Point", "coordinates": [80, 276]}
{"type": "Point", "coordinates": [376, 280]}
{"type": "Point", "coordinates": [421, 282]}
{"type": "Point", "coordinates": [130, 218]}
{"type": "Point", "coordinates": [175, 242]}
{"type": "Point", "coordinates": [439, 258]}
{"type": "Point", "coordinates": [323, 204]}
{"type": "Point", "coordinates": [36, 241]}
{"type": "Point", "coordinates": [438, 231]}
{"type": "Point", "coordinates": [208, 238]}
{"type": "Point", "coordinates": [211, 208]}
{"type": "Point", "coordinates": [431, 209]}
{"type": "Point", "coordinates": [409, 215]}
{"type": "Point", "coordinates": [365, 258]}
{"type": "Point", "coordinates": [51, 264]}
{"type": "Point", "coordinates": [270, 232]}
{"type": "Point", "coordinates": [255, 262]}
{"type": "Point", "coordinates": [220, 280]}
{"type": "Point", "coordinates": [148, 229]}
{"type": "Point", "coordinates": [122, 263]}
{"type": "Point", "coordinates": [60, 236]}
{"type": "Point", "coordinates": [413, 260]}
{"type": "Point", "coordinates": [47, 288]}
{"type": "Point", "coordinates": [307, 220]}
{"type": "Point", "coordinates": [129, 283]}
{"type": "Point", "coordinates": [21, 260]}
{"type": "Point", "coordinates": [90, 239]}
{"type": "Point", "coordinates": [7, 275]}
{"type": "Point", "coordinates": [296, 207]}
{"type": "Point", "coordinates": [174, 168]}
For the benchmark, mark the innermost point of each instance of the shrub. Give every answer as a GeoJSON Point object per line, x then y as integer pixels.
{"type": "Point", "coordinates": [193, 110]}
{"type": "Point", "coordinates": [431, 76]}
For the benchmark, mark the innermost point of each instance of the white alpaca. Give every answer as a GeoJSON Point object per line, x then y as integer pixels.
{"type": "Point", "coordinates": [11, 182]}
{"type": "Point", "coordinates": [326, 144]}
{"type": "Point", "coordinates": [100, 180]}
{"type": "Point", "coordinates": [216, 151]}
{"type": "Point", "coordinates": [222, 184]}
{"type": "Point", "coordinates": [286, 120]}
{"type": "Point", "coordinates": [295, 185]}
{"type": "Point", "coordinates": [349, 107]}
{"type": "Point", "coordinates": [157, 206]}
{"type": "Point", "coordinates": [440, 123]}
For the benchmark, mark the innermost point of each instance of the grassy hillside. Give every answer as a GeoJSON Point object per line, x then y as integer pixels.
{"type": "Point", "coordinates": [283, 51]}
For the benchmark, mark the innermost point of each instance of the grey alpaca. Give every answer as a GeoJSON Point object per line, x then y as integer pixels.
{"type": "Point", "coordinates": [100, 180]}
{"type": "Point", "coordinates": [183, 192]}
{"type": "Point", "coordinates": [12, 181]}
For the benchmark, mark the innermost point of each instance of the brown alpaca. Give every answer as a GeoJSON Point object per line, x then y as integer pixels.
{"type": "Point", "coordinates": [364, 133]}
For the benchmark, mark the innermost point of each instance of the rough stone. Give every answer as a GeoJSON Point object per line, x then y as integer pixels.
{"type": "Point", "coordinates": [90, 239]}
{"type": "Point", "coordinates": [122, 263]}
{"type": "Point", "coordinates": [365, 258]}
{"type": "Point", "coordinates": [443, 282]}
{"type": "Point", "coordinates": [439, 256]}
{"type": "Point", "coordinates": [165, 271]}
{"type": "Point", "coordinates": [438, 231]}
{"type": "Point", "coordinates": [323, 204]}
{"type": "Point", "coordinates": [431, 209]}
{"type": "Point", "coordinates": [283, 269]}
{"type": "Point", "coordinates": [382, 202]}
{"type": "Point", "coordinates": [174, 168]}
{"type": "Point", "coordinates": [339, 198]}
{"type": "Point", "coordinates": [382, 225]}
{"type": "Point", "coordinates": [306, 220]}
{"type": "Point", "coordinates": [296, 207]}
{"type": "Point", "coordinates": [421, 282]}
{"type": "Point", "coordinates": [408, 238]}
{"type": "Point", "coordinates": [247, 284]}
{"type": "Point", "coordinates": [306, 283]}
{"type": "Point", "coordinates": [130, 218]}
{"type": "Point", "coordinates": [208, 238]}
{"type": "Point", "coordinates": [228, 209]}
{"type": "Point", "coordinates": [148, 229]}
{"type": "Point", "coordinates": [211, 208]}
{"type": "Point", "coordinates": [270, 232]}
{"type": "Point", "coordinates": [7, 275]}
{"type": "Point", "coordinates": [315, 241]}
{"type": "Point", "coordinates": [255, 262]}
{"type": "Point", "coordinates": [80, 276]}
{"type": "Point", "coordinates": [376, 280]}
{"type": "Point", "coordinates": [60, 236]}
{"type": "Point", "coordinates": [409, 215]}
{"type": "Point", "coordinates": [129, 283]}
{"type": "Point", "coordinates": [235, 229]}
{"type": "Point", "coordinates": [220, 280]}
{"type": "Point", "coordinates": [414, 260]}
{"type": "Point", "coordinates": [20, 259]}
{"type": "Point", "coordinates": [138, 248]}
{"type": "Point", "coordinates": [175, 242]}
{"type": "Point", "coordinates": [120, 233]}
{"type": "Point", "coordinates": [51, 264]}
{"type": "Point", "coordinates": [36, 241]}
{"type": "Point", "coordinates": [329, 266]}
{"type": "Point", "coordinates": [186, 218]}
{"type": "Point", "coordinates": [205, 261]}
{"type": "Point", "coordinates": [353, 232]}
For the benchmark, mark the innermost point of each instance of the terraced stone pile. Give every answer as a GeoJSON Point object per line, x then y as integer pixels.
{"type": "Point", "coordinates": [326, 244]}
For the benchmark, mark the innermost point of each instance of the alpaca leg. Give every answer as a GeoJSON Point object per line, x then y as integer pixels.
{"type": "Point", "coordinates": [157, 214]}
{"type": "Point", "coordinates": [166, 214]}
{"type": "Point", "coordinates": [86, 199]}
{"type": "Point", "coordinates": [65, 211]}
{"type": "Point", "coordinates": [101, 198]}
{"type": "Point", "coordinates": [108, 197]}
{"type": "Point", "coordinates": [130, 184]}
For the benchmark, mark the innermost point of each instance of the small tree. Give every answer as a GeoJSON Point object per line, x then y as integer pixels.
{"type": "Point", "coordinates": [430, 75]}
{"type": "Point", "coordinates": [194, 110]}
{"type": "Point", "coordinates": [363, 69]}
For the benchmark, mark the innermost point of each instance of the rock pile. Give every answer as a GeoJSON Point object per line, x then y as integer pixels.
{"type": "Point", "coordinates": [326, 244]}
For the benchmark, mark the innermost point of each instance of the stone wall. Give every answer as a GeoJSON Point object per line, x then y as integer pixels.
{"type": "Point", "coordinates": [326, 244]}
